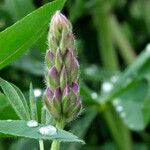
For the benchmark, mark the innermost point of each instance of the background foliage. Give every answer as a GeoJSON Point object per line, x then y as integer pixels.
{"type": "Point", "coordinates": [112, 39]}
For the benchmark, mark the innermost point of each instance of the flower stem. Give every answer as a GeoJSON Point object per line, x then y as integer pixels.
{"type": "Point", "coordinates": [56, 143]}
{"type": "Point", "coordinates": [41, 144]}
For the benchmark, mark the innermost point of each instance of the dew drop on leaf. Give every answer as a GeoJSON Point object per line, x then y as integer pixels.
{"type": "Point", "coordinates": [94, 95]}
{"type": "Point", "coordinates": [9, 120]}
{"type": "Point", "coordinates": [114, 78]}
{"type": "Point", "coordinates": [48, 130]}
{"type": "Point", "coordinates": [119, 108]}
{"type": "Point", "coordinates": [148, 47]}
{"type": "Point", "coordinates": [32, 123]}
{"type": "Point", "coordinates": [107, 87]}
{"type": "Point", "coordinates": [116, 102]}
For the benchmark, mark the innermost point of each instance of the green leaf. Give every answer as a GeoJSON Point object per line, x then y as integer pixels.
{"type": "Point", "coordinates": [130, 76]}
{"type": "Point", "coordinates": [80, 126]}
{"type": "Point", "coordinates": [28, 63]}
{"type": "Point", "coordinates": [18, 8]}
{"type": "Point", "coordinates": [33, 106]}
{"type": "Point", "coordinates": [6, 110]}
{"type": "Point", "coordinates": [23, 99]}
{"type": "Point", "coordinates": [16, 39]}
{"type": "Point", "coordinates": [14, 99]}
{"type": "Point", "coordinates": [131, 93]}
{"type": "Point", "coordinates": [19, 128]}
{"type": "Point", "coordinates": [132, 108]}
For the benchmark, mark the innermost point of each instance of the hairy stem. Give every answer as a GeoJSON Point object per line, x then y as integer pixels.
{"type": "Point", "coordinates": [41, 144]}
{"type": "Point", "coordinates": [56, 143]}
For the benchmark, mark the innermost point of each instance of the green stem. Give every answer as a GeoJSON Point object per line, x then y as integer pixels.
{"type": "Point", "coordinates": [106, 47]}
{"type": "Point", "coordinates": [41, 144]}
{"type": "Point", "coordinates": [118, 129]}
{"type": "Point", "coordinates": [56, 143]}
{"type": "Point", "coordinates": [123, 43]}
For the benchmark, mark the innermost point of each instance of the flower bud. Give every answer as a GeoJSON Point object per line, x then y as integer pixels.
{"type": "Point", "coordinates": [53, 78]}
{"type": "Point", "coordinates": [49, 58]}
{"type": "Point", "coordinates": [62, 94]}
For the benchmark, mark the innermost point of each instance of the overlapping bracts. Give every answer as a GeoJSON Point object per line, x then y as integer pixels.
{"type": "Point", "coordinates": [62, 71]}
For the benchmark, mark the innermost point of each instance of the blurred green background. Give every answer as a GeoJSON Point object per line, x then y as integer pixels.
{"type": "Point", "coordinates": [110, 34]}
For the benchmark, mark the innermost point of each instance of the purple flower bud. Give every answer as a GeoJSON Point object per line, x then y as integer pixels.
{"type": "Point", "coordinates": [49, 58]}
{"type": "Point", "coordinates": [63, 78]}
{"type": "Point", "coordinates": [59, 21]}
{"type": "Point", "coordinates": [53, 78]}
{"type": "Point", "coordinates": [53, 72]}
{"type": "Point", "coordinates": [63, 71]}
{"type": "Point", "coordinates": [75, 87]}
{"type": "Point", "coordinates": [57, 94]}
{"type": "Point", "coordinates": [58, 60]}
{"type": "Point", "coordinates": [66, 90]}
{"type": "Point", "coordinates": [49, 93]}
{"type": "Point", "coordinates": [50, 55]}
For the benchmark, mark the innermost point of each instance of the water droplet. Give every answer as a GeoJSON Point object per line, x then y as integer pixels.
{"type": "Point", "coordinates": [32, 123]}
{"type": "Point", "coordinates": [123, 114]}
{"type": "Point", "coordinates": [114, 78]}
{"type": "Point", "coordinates": [91, 70]}
{"type": "Point", "coordinates": [94, 95]}
{"type": "Point", "coordinates": [9, 120]}
{"type": "Point", "coordinates": [107, 87]}
{"type": "Point", "coordinates": [119, 108]}
{"type": "Point", "coordinates": [37, 92]}
{"type": "Point", "coordinates": [116, 102]}
{"type": "Point", "coordinates": [148, 47]}
{"type": "Point", "coordinates": [48, 130]}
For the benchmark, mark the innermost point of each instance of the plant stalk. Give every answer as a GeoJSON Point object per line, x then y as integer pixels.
{"type": "Point", "coordinates": [41, 144]}
{"type": "Point", "coordinates": [118, 129]}
{"type": "Point", "coordinates": [106, 46]}
{"type": "Point", "coordinates": [56, 143]}
{"type": "Point", "coordinates": [122, 42]}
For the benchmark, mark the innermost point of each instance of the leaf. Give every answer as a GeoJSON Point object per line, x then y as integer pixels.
{"type": "Point", "coordinates": [131, 106]}
{"type": "Point", "coordinates": [23, 99]}
{"type": "Point", "coordinates": [19, 128]}
{"type": "Point", "coordinates": [15, 40]}
{"type": "Point", "coordinates": [18, 8]}
{"type": "Point", "coordinates": [129, 77]}
{"type": "Point", "coordinates": [131, 93]}
{"type": "Point", "coordinates": [6, 111]}
{"type": "Point", "coordinates": [14, 99]}
{"type": "Point", "coordinates": [28, 63]}
{"type": "Point", "coordinates": [33, 106]}
{"type": "Point", "coordinates": [80, 126]}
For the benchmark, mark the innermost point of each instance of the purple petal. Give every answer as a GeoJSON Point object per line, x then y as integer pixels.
{"type": "Point", "coordinates": [53, 72]}
{"type": "Point", "coordinates": [73, 61]}
{"type": "Point", "coordinates": [57, 94]}
{"type": "Point", "coordinates": [50, 55]}
{"type": "Point", "coordinates": [49, 93]}
{"type": "Point", "coordinates": [75, 87]}
{"type": "Point", "coordinates": [64, 72]}
{"type": "Point", "coordinates": [66, 90]}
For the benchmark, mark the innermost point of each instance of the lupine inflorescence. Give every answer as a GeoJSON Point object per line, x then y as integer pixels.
{"type": "Point", "coordinates": [62, 71]}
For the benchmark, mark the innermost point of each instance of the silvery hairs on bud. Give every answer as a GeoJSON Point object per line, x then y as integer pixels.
{"type": "Point", "coordinates": [62, 71]}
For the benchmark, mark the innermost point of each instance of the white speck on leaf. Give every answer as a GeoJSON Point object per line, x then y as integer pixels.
{"type": "Point", "coordinates": [48, 130]}
{"type": "Point", "coordinates": [32, 123]}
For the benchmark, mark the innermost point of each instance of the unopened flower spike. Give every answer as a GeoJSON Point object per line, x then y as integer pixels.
{"type": "Point", "coordinates": [62, 71]}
